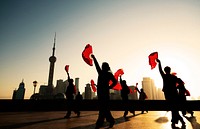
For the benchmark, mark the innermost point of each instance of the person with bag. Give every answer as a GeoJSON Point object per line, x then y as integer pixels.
{"type": "Point", "coordinates": [183, 92]}
{"type": "Point", "coordinates": [124, 95]}
{"type": "Point", "coordinates": [142, 97]}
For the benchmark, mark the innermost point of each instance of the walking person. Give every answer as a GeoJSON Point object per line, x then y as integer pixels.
{"type": "Point", "coordinates": [170, 92]}
{"type": "Point", "coordinates": [142, 97]}
{"type": "Point", "coordinates": [78, 99]}
{"type": "Point", "coordinates": [70, 97]}
{"type": "Point", "coordinates": [103, 94]}
{"type": "Point", "coordinates": [70, 93]}
{"type": "Point", "coordinates": [182, 92]}
{"type": "Point", "coordinates": [124, 95]}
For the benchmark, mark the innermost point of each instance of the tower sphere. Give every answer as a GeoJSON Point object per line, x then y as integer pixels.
{"type": "Point", "coordinates": [52, 59]}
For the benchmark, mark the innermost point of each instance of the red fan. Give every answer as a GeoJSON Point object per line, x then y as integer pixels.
{"type": "Point", "coordinates": [86, 54]}
{"type": "Point", "coordinates": [152, 59]}
{"type": "Point", "coordinates": [67, 68]}
{"type": "Point", "coordinates": [117, 86]}
{"type": "Point", "coordinates": [116, 75]}
{"type": "Point", "coordinates": [131, 91]}
{"type": "Point", "coordinates": [93, 86]}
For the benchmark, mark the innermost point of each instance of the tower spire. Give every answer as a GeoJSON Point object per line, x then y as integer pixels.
{"type": "Point", "coordinates": [52, 61]}
{"type": "Point", "coordinates": [54, 45]}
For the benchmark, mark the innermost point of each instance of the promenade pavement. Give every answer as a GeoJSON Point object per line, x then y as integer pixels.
{"type": "Point", "coordinates": [87, 119]}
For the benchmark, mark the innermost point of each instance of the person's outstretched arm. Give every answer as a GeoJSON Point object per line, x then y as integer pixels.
{"type": "Point", "coordinates": [96, 64]}
{"type": "Point", "coordinates": [68, 76]}
{"type": "Point", "coordinates": [120, 79]}
{"type": "Point", "coordinates": [138, 90]}
{"type": "Point", "coordinates": [160, 67]}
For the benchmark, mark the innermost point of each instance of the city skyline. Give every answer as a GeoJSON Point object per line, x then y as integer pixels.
{"type": "Point", "coordinates": [122, 33]}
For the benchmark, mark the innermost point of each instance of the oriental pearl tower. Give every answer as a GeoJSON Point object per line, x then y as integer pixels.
{"type": "Point", "coordinates": [52, 61]}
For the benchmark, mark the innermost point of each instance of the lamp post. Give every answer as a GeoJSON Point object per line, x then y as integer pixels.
{"type": "Point", "coordinates": [34, 84]}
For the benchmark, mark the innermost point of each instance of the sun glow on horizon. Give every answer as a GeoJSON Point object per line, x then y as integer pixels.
{"type": "Point", "coordinates": [123, 33]}
{"type": "Point", "coordinates": [183, 70]}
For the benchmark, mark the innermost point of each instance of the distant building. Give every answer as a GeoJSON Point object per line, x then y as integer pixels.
{"type": "Point", "coordinates": [149, 88]}
{"type": "Point", "coordinates": [160, 94]}
{"type": "Point", "coordinates": [77, 85]}
{"type": "Point", "coordinates": [19, 93]}
{"type": "Point", "coordinates": [83, 94]}
{"type": "Point", "coordinates": [43, 90]}
{"type": "Point", "coordinates": [61, 86]}
{"type": "Point", "coordinates": [58, 91]}
{"type": "Point", "coordinates": [14, 94]}
{"type": "Point", "coordinates": [115, 94]}
{"type": "Point", "coordinates": [88, 92]}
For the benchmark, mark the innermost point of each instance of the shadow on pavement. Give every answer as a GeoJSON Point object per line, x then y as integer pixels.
{"type": "Point", "coordinates": [193, 121]}
{"type": "Point", "coordinates": [162, 120]}
{"type": "Point", "coordinates": [106, 125]}
{"type": "Point", "coordinates": [19, 125]}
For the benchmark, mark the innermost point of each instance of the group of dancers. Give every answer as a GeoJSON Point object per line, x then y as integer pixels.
{"type": "Point", "coordinates": [173, 88]}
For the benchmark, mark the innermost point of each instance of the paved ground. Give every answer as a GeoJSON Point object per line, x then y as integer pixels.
{"type": "Point", "coordinates": [55, 120]}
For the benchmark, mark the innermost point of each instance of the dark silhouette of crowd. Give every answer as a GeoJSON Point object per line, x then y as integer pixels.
{"type": "Point", "coordinates": [173, 88]}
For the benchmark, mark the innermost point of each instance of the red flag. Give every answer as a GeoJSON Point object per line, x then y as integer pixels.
{"type": "Point", "coordinates": [93, 86]}
{"type": "Point", "coordinates": [152, 59]}
{"type": "Point", "coordinates": [67, 68]}
{"type": "Point", "coordinates": [86, 54]}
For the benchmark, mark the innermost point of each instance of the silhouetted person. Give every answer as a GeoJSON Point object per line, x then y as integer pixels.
{"type": "Point", "coordinates": [103, 94]}
{"type": "Point", "coordinates": [142, 96]}
{"type": "Point", "coordinates": [124, 94]}
{"type": "Point", "coordinates": [170, 92]}
{"type": "Point", "coordinates": [182, 95]}
{"type": "Point", "coordinates": [70, 96]}
{"type": "Point", "coordinates": [78, 99]}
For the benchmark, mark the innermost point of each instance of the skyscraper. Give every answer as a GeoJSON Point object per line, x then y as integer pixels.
{"type": "Point", "coordinates": [77, 85]}
{"type": "Point", "coordinates": [52, 61]}
{"type": "Point", "coordinates": [88, 92]}
{"type": "Point", "coordinates": [19, 93]}
{"type": "Point", "coordinates": [61, 86]}
{"type": "Point", "coordinates": [149, 88]}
